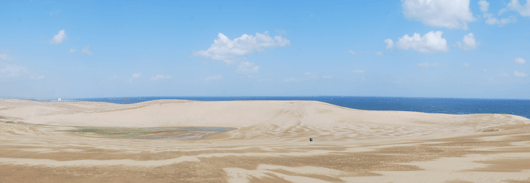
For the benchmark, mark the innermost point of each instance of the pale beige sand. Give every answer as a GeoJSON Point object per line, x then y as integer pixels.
{"type": "Point", "coordinates": [270, 144]}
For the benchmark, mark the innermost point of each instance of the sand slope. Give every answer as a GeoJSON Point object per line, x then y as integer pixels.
{"type": "Point", "coordinates": [270, 144]}
{"type": "Point", "coordinates": [258, 118]}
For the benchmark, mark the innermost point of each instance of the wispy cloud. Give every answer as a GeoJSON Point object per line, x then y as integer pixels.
{"type": "Point", "coordinates": [311, 75]}
{"type": "Point", "coordinates": [114, 77]}
{"type": "Point", "coordinates": [136, 75]}
{"type": "Point", "coordinates": [287, 80]}
{"type": "Point", "coordinates": [520, 61]}
{"type": "Point", "coordinates": [247, 68]}
{"type": "Point", "coordinates": [352, 52]}
{"type": "Point", "coordinates": [160, 76]}
{"type": "Point", "coordinates": [15, 71]}
{"type": "Point", "coordinates": [54, 13]}
{"type": "Point", "coordinates": [12, 71]}
{"type": "Point", "coordinates": [281, 32]}
{"type": "Point", "coordinates": [427, 64]}
{"type": "Point", "coordinates": [400, 80]}
{"type": "Point", "coordinates": [216, 77]}
{"type": "Point", "coordinates": [494, 21]}
{"type": "Point", "coordinates": [519, 74]}
{"type": "Point", "coordinates": [503, 75]}
{"type": "Point", "coordinates": [86, 50]}
{"type": "Point", "coordinates": [379, 53]}
{"type": "Point", "coordinates": [358, 71]}
{"type": "Point", "coordinates": [5, 56]}
{"type": "Point", "coordinates": [490, 20]}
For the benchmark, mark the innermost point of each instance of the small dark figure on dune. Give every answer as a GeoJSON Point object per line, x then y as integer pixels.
{"type": "Point", "coordinates": [310, 139]}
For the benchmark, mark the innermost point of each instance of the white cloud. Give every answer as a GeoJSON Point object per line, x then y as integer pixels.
{"type": "Point", "coordinates": [389, 43]}
{"type": "Point", "coordinates": [136, 75]}
{"type": "Point", "coordinates": [247, 68]}
{"type": "Point", "coordinates": [160, 76]}
{"type": "Point", "coordinates": [452, 14]}
{"type": "Point", "coordinates": [226, 50]}
{"type": "Point", "coordinates": [86, 50]}
{"type": "Point", "coordinates": [520, 61]}
{"type": "Point", "coordinates": [307, 73]}
{"type": "Point", "coordinates": [465, 64]}
{"type": "Point", "coordinates": [431, 42]}
{"type": "Point", "coordinates": [358, 71]}
{"type": "Point", "coordinates": [468, 42]}
{"type": "Point", "coordinates": [483, 5]}
{"type": "Point", "coordinates": [485, 70]}
{"type": "Point", "coordinates": [352, 52]}
{"type": "Point", "coordinates": [379, 53]}
{"type": "Point", "coordinates": [524, 10]}
{"type": "Point", "coordinates": [427, 64]}
{"type": "Point", "coordinates": [327, 76]}
{"type": "Point", "coordinates": [519, 74]}
{"type": "Point", "coordinates": [71, 50]}
{"type": "Point", "coordinates": [291, 80]}
{"type": "Point", "coordinates": [216, 77]}
{"type": "Point", "coordinates": [59, 38]}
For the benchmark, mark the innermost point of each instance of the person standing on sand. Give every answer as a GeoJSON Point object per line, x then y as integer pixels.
{"type": "Point", "coordinates": [310, 139]}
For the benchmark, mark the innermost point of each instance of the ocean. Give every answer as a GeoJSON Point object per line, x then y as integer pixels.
{"type": "Point", "coordinates": [428, 105]}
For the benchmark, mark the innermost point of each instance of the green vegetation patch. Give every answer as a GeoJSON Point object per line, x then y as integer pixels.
{"type": "Point", "coordinates": [121, 132]}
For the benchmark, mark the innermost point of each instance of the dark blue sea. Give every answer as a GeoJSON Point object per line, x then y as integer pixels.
{"type": "Point", "coordinates": [429, 105]}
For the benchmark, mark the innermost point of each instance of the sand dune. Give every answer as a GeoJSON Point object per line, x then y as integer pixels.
{"type": "Point", "coordinates": [269, 143]}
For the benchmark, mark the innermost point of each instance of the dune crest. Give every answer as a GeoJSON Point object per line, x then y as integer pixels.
{"type": "Point", "coordinates": [257, 119]}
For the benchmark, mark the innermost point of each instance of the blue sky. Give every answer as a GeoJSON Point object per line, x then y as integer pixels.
{"type": "Point", "coordinates": [407, 48]}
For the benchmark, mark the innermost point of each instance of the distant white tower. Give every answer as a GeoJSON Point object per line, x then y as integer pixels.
{"type": "Point", "coordinates": [59, 99]}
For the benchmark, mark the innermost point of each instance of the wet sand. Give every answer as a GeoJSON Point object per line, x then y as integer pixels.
{"type": "Point", "coordinates": [269, 143]}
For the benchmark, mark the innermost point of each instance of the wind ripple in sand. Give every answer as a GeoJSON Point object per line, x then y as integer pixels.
{"type": "Point", "coordinates": [269, 144]}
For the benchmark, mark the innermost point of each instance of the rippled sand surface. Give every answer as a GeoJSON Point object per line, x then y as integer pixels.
{"type": "Point", "coordinates": [255, 141]}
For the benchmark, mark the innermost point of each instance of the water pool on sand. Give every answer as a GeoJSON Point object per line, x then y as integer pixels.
{"type": "Point", "coordinates": [177, 133]}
